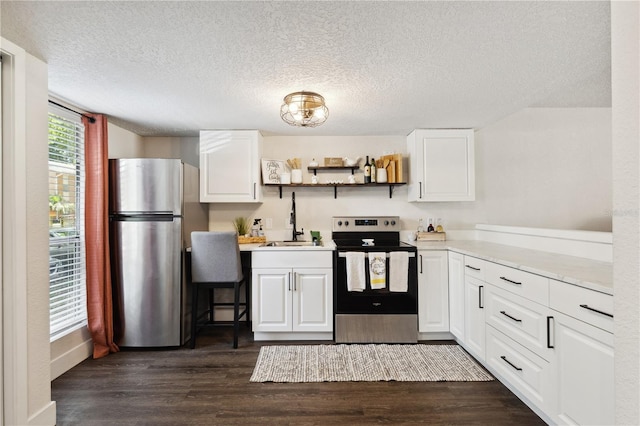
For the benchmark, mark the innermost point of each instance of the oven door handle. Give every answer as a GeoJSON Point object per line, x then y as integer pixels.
{"type": "Point", "coordinates": [366, 255]}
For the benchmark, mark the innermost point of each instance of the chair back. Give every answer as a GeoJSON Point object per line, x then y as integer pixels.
{"type": "Point", "coordinates": [215, 257]}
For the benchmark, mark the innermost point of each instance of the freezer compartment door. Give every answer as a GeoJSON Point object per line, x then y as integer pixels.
{"type": "Point", "coordinates": [142, 185]}
{"type": "Point", "coordinates": [146, 277]}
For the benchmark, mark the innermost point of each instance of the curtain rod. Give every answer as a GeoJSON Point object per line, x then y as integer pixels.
{"type": "Point", "coordinates": [91, 119]}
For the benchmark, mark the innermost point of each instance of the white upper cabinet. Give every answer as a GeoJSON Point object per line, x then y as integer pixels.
{"type": "Point", "coordinates": [230, 166]}
{"type": "Point", "coordinates": [441, 165]}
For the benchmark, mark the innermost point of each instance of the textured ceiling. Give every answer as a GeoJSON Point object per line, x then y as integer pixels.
{"type": "Point", "coordinates": [172, 68]}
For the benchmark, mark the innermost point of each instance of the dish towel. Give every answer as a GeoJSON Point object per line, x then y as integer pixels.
{"type": "Point", "coordinates": [399, 271]}
{"type": "Point", "coordinates": [378, 270]}
{"type": "Point", "coordinates": [355, 270]}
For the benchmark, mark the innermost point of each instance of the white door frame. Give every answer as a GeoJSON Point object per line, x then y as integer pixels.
{"type": "Point", "coordinates": [14, 291]}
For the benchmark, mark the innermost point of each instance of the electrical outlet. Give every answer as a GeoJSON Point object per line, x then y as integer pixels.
{"type": "Point", "coordinates": [268, 223]}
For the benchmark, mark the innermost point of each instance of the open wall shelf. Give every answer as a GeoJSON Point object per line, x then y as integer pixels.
{"type": "Point", "coordinates": [336, 185]}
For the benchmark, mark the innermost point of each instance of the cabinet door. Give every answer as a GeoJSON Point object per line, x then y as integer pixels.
{"type": "Point", "coordinates": [433, 294]}
{"type": "Point", "coordinates": [230, 166]}
{"type": "Point", "coordinates": [312, 299]}
{"type": "Point", "coordinates": [474, 325]}
{"type": "Point", "coordinates": [583, 368]}
{"type": "Point", "coordinates": [441, 165]}
{"type": "Point", "coordinates": [456, 295]}
{"type": "Point", "coordinates": [271, 291]}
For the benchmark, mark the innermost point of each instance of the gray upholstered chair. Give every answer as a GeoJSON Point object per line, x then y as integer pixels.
{"type": "Point", "coordinates": [215, 263]}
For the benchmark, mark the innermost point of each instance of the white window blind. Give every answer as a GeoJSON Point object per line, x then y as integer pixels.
{"type": "Point", "coordinates": [67, 274]}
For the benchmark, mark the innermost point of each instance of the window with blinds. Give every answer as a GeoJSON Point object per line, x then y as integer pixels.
{"type": "Point", "coordinates": [67, 276]}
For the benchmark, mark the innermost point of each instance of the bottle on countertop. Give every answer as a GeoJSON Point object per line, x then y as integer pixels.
{"type": "Point", "coordinates": [439, 227]}
{"type": "Point", "coordinates": [255, 228]}
{"type": "Point", "coordinates": [373, 170]}
{"type": "Point", "coordinates": [430, 228]}
{"type": "Point", "coordinates": [420, 226]}
{"type": "Point", "coordinates": [367, 171]}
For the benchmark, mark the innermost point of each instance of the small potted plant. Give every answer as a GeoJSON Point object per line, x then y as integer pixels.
{"type": "Point", "coordinates": [242, 225]}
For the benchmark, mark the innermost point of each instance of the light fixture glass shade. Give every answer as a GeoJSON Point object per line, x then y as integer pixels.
{"type": "Point", "coordinates": [304, 109]}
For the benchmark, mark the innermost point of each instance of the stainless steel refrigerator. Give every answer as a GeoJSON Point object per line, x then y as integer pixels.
{"type": "Point", "coordinates": [153, 207]}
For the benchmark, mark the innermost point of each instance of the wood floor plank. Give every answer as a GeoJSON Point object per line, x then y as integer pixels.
{"type": "Point", "coordinates": [209, 385]}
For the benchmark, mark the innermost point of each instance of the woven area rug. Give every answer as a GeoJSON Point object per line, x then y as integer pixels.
{"type": "Point", "coordinates": [366, 363]}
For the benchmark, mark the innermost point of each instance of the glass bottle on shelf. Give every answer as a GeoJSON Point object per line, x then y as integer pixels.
{"type": "Point", "coordinates": [373, 170]}
{"type": "Point", "coordinates": [439, 227]}
{"type": "Point", "coordinates": [367, 171]}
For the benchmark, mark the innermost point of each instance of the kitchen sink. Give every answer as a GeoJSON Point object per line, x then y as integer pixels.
{"type": "Point", "coordinates": [292, 244]}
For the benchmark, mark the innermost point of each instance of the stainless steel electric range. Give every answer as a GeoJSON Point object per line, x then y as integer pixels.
{"type": "Point", "coordinates": [373, 314]}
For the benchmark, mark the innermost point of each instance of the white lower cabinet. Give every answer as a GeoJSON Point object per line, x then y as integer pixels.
{"type": "Point", "coordinates": [299, 299]}
{"type": "Point", "coordinates": [433, 294]}
{"type": "Point", "coordinates": [456, 295]}
{"type": "Point", "coordinates": [583, 373]}
{"type": "Point", "coordinates": [474, 320]}
{"type": "Point", "coordinates": [561, 365]}
{"type": "Point", "coordinates": [292, 299]}
{"type": "Point", "coordinates": [521, 319]}
{"type": "Point", "coordinates": [521, 370]}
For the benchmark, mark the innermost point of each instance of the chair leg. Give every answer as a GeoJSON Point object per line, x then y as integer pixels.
{"type": "Point", "coordinates": [211, 306]}
{"type": "Point", "coordinates": [194, 314]}
{"type": "Point", "coordinates": [236, 311]}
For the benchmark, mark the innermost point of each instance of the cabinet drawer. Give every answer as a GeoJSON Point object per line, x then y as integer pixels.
{"type": "Point", "coordinates": [474, 267]}
{"type": "Point", "coordinates": [519, 318]}
{"type": "Point", "coordinates": [590, 306]}
{"type": "Point", "coordinates": [529, 286]}
{"type": "Point", "coordinates": [519, 368]}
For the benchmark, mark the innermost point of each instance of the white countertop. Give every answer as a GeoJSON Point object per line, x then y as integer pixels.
{"type": "Point", "coordinates": [326, 246]}
{"type": "Point", "coordinates": [587, 273]}
{"type": "Point", "coordinates": [591, 274]}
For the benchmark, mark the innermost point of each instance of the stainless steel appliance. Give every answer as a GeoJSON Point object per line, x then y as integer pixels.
{"type": "Point", "coordinates": [153, 207]}
{"type": "Point", "coordinates": [373, 315]}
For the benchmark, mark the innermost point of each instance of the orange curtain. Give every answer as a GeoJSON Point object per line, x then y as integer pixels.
{"type": "Point", "coordinates": [96, 222]}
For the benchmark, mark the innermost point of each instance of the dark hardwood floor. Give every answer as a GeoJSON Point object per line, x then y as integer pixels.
{"type": "Point", "coordinates": [210, 385]}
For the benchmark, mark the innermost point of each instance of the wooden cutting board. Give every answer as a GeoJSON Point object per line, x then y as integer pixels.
{"type": "Point", "coordinates": [394, 169]}
{"type": "Point", "coordinates": [398, 163]}
{"type": "Point", "coordinates": [391, 172]}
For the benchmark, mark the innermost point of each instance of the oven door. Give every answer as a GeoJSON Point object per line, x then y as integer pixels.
{"type": "Point", "coordinates": [374, 301]}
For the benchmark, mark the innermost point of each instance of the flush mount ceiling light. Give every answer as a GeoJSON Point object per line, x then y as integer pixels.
{"type": "Point", "coordinates": [304, 109]}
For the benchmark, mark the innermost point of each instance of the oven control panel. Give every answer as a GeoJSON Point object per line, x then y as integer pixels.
{"type": "Point", "coordinates": [365, 223]}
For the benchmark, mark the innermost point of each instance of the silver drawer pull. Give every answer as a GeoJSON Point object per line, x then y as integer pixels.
{"type": "Point", "coordinates": [509, 316]}
{"type": "Point", "coordinates": [472, 267]}
{"type": "Point", "coordinates": [504, 358]}
{"type": "Point", "coordinates": [510, 281]}
{"type": "Point", "coordinates": [596, 310]}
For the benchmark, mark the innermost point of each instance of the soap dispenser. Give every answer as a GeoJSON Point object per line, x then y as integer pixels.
{"type": "Point", "coordinates": [255, 228]}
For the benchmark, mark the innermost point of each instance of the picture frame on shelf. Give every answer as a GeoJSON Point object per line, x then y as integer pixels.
{"type": "Point", "coordinates": [271, 170]}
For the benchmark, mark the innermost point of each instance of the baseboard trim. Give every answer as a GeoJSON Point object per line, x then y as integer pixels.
{"type": "Point", "coordinates": [71, 358]}
{"type": "Point", "coordinates": [440, 335]}
{"type": "Point", "coordinates": [280, 336]}
{"type": "Point", "coordinates": [46, 416]}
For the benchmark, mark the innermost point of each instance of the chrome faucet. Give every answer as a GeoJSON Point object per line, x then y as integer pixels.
{"type": "Point", "coordinates": [292, 219]}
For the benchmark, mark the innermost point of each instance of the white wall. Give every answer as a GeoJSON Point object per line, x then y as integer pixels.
{"type": "Point", "coordinates": [539, 167]}
{"type": "Point", "coordinates": [546, 168]}
{"type": "Point", "coordinates": [625, 60]}
{"type": "Point", "coordinates": [123, 143]}
{"type": "Point", "coordinates": [186, 149]}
